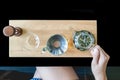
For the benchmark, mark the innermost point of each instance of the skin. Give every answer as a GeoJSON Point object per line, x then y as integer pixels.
{"type": "Point", "coordinates": [56, 73]}
{"type": "Point", "coordinates": [98, 66]}
{"type": "Point", "coordinates": [99, 63]}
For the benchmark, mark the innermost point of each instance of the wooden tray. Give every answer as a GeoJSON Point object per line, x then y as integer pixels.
{"type": "Point", "coordinates": [44, 29]}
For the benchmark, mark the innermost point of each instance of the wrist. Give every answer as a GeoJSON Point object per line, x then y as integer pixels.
{"type": "Point", "coordinates": [101, 77]}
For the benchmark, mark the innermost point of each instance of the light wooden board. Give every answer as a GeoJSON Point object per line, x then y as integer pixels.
{"type": "Point", "coordinates": [45, 29]}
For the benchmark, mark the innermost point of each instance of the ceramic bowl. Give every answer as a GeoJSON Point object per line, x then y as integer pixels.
{"type": "Point", "coordinates": [83, 40]}
{"type": "Point", "coordinates": [57, 44]}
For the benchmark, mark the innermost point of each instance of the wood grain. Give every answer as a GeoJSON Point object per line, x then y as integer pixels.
{"type": "Point", "coordinates": [44, 29]}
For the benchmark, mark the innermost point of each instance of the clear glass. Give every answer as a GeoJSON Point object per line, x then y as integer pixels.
{"type": "Point", "coordinates": [32, 41]}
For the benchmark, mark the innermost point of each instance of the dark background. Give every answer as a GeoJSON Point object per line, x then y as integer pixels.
{"type": "Point", "coordinates": [104, 12]}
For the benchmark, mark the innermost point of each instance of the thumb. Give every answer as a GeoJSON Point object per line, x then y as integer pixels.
{"type": "Point", "coordinates": [95, 53]}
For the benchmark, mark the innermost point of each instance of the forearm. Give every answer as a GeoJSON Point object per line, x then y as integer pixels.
{"type": "Point", "coordinates": [57, 73]}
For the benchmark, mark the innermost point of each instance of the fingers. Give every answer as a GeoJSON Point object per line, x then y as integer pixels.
{"type": "Point", "coordinates": [92, 47]}
{"type": "Point", "coordinates": [99, 55]}
{"type": "Point", "coordinates": [103, 56]}
{"type": "Point", "coordinates": [108, 57]}
{"type": "Point", "coordinates": [96, 54]}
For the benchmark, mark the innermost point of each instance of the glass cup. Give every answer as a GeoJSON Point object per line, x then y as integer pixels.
{"type": "Point", "coordinates": [32, 41]}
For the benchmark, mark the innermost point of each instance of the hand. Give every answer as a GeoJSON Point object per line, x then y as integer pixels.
{"type": "Point", "coordinates": [99, 63]}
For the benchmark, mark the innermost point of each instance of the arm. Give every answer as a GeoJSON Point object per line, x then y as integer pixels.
{"type": "Point", "coordinates": [56, 73]}
{"type": "Point", "coordinates": [99, 63]}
